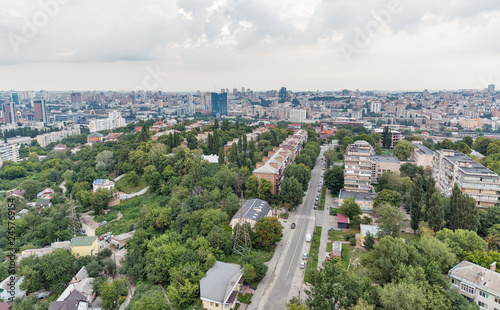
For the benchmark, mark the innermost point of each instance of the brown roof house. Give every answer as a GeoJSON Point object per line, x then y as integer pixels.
{"type": "Point", "coordinates": [75, 301]}
{"type": "Point", "coordinates": [220, 287]}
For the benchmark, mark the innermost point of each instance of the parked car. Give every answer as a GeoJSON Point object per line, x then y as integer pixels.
{"type": "Point", "coordinates": [292, 226]}
{"type": "Point", "coordinates": [315, 207]}
{"type": "Point", "coordinates": [305, 256]}
{"type": "Point", "coordinates": [302, 265]}
{"type": "Point", "coordinates": [101, 237]}
{"type": "Point", "coordinates": [309, 238]}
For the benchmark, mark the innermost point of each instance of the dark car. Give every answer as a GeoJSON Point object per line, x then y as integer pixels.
{"type": "Point", "coordinates": [292, 226]}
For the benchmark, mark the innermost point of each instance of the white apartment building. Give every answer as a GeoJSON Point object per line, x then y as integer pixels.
{"type": "Point", "coordinates": [375, 106]}
{"type": "Point", "coordinates": [9, 151]}
{"type": "Point", "coordinates": [474, 179]}
{"type": "Point", "coordinates": [298, 115]}
{"type": "Point", "coordinates": [113, 121]}
{"type": "Point", "coordinates": [57, 136]}
{"type": "Point", "coordinates": [358, 167]}
{"type": "Point", "coordinates": [477, 284]}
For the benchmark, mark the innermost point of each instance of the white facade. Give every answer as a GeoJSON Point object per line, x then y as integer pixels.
{"type": "Point", "coordinates": [9, 152]}
{"type": "Point", "coordinates": [375, 106]}
{"type": "Point", "coordinates": [57, 136]}
{"type": "Point", "coordinates": [298, 115]}
{"type": "Point", "coordinates": [114, 120]}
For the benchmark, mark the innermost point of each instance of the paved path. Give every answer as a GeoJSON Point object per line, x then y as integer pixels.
{"type": "Point", "coordinates": [118, 178]}
{"type": "Point", "coordinates": [128, 196]}
{"type": "Point", "coordinates": [88, 223]}
{"type": "Point", "coordinates": [326, 221]}
{"type": "Point", "coordinates": [63, 188]}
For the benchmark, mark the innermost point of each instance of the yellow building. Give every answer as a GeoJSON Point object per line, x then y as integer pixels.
{"type": "Point", "coordinates": [220, 287]}
{"type": "Point", "coordinates": [82, 246]}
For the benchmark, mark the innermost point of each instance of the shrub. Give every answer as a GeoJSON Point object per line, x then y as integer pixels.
{"type": "Point", "coordinates": [352, 241]}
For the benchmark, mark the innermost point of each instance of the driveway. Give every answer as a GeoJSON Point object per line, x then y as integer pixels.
{"type": "Point", "coordinates": [88, 223]}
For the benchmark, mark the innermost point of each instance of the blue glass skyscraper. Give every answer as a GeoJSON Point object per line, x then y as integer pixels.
{"type": "Point", "coordinates": [219, 104]}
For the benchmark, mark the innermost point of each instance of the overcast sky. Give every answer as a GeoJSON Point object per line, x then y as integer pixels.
{"type": "Point", "coordinates": [190, 45]}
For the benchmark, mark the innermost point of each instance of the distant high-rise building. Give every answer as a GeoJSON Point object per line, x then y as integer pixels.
{"type": "Point", "coordinates": [9, 113]}
{"type": "Point", "coordinates": [76, 97]}
{"type": "Point", "coordinates": [491, 88]}
{"type": "Point", "coordinates": [243, 90]}
{"type": "Point", "coordinates": [345, 92]}
{"type": "Point", "coordinates": [282, 94]}
{"type": "Point", "coordinates": [219, 104]}
{"type": "Point", "coordinates": [40, 110]}
{"type": "Point", "coordinates": [15, 99]}
{"type": "Point", "coordinates": [298, 115]}
{"type": "Point", "coordinates": [235, 91]}
{"type": "Point", "coordinates": [190, 105]}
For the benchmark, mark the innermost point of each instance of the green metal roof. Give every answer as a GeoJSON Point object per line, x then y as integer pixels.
{"type": "Point", "coordinates": [82, 241]}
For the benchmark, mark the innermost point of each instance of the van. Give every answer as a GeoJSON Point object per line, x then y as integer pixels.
{"type": "Point", "coordinates": [309, 238]}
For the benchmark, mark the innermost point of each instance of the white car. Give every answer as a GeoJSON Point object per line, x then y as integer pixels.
{"type": "Point", "coordinates": [302, 265]}
{"type": "Point", "coordinates": [305, 256]}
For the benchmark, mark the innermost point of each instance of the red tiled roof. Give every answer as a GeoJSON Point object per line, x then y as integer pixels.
{"type": "Point", "coordinates": [341, 218]}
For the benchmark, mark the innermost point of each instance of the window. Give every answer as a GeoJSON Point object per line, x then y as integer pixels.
{"type": "Point", "coordinates": [466, 288]}
{"type": "Point", "coordinates": [482, 304]}
{"type": "Point", "coordinates": [226, 306]}
{"type": "Point", "coordinates": [211, 304]}
{"type": "Point", "coordinates": [217, 305]}
{"type": "Point", "coordinates": [497, 300]}
{"type": "Point", "coordinates": [483, 294]}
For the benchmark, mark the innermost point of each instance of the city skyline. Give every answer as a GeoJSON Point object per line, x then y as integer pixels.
{"type": "Point", "coordinates": [186, 46]}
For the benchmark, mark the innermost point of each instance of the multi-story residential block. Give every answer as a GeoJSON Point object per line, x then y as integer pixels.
{"type": "Point", "coordinates": [375, 106]}
{"type": "Point", "coordinates": [474, 179]}
{"type": "Point", "coordinates": [40, 108]}
{"type": "Point", "coordinates": [298, 115]}
{"type": "Point", "coordinates": [254, 135]}
{"type": "Point", "coordinates": [9, 151]}
{"type": "Point", "coordinates": [383, 163]}
{"type": "Point", "coordinates": [113, 121]}
{"type": "Point", "coordinates": [219, 104]}
{"type": "Point", "coordinates": [57, 136]}
{"type": "Point", "coordinates": [9, 113]}
{"type": "Point", "coordinates": [396, 136]}
{"type": "Point", "coordinates": [358, 167]}
{"type": "Point", "coordinates": [422, 155]}
{"type": "Point", "coordinates": [477, 284]}
{"type": "Point", "coordinates": [472, 123]}
{"type": "Point", "coordinates": [272, 167]}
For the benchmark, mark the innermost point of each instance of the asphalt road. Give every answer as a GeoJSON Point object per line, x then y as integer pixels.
{"type": "Point", "coordinates": [289, 278]}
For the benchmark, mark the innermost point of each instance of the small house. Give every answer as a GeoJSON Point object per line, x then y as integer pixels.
{"type": "Point", "coordinates": [43, 203]}
{"type": "Point", "coordinates": [82, 246]}
{"type": "Point", "coordinates": [12, 281]}
{"type": "Point", "coordinates": [74, 301]}
{"type": "Point", "coordinates": [251, 211]}
{"type": "Point", "coordinates": [120, 240]}
{"type": "Point", "coordinates": [18, 193]}
{"type": "Point", "coordinates": [94, 137]}
{"type": "Point", "coordinates": [219, 288]}
{"type": "Point", "coordinates": [103, 184]}
{"type": "Point", "coordinates": [342, 221]}
{"type": "Point", "coordinates": [60, 148]}
{"type": "Point", "coordinates": [372, 229]}
{"type": "Point", "coordinates": [336, 250]}
{"type": "Point", "coordinates": [4, 306]}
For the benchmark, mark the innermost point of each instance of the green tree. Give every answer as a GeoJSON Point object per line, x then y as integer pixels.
{"type": "Point", "coordinates": [410, 170]}
{"type": "Point", "coordinates": [389, 180]}
{"type": "Point", "coordinates": [100, 198]}
{"type": "Point", "coordinates": [390, 220]}
{"type": "Point", "coordinates": [403, 150]}
{"type": "Point", "coordinates": [390, 197]}
{"type": "Point", "coordinates": [461, 241]}
{"type": "Point", "coordinates": [402, 296]}
{"type": "Point", "coordinates": [104, 161]}
{"type": "Point", "coordinates": [291, 191]}
{"type": "Point", "coordinates": [112, 294]}
{"type": "Point", "coordinates": [31, 187]}
{"type": "Point", "coordinates": [299, 172]}
{"type": "Point", "coordinates": [369, 241]}
{"type": "Point", "coordinates": [416, 195]}
{"type": "Point", "coordinates": [334, 179]}
{"type": "Point", "coordinates": [468, 140]}
{"type": "Point", "coordinates": [152, 300]}
{"type": "Point", "coordinates": [481, 145]}
{"type": "Point", "coordinates": [333, 287]}
{"type": "Point", "coordinates": [268, 230]}
{"type": "Point", "coordinates": [435, 212]}
{"type": "Point", "coordinates": [329, 157]}
{"type": "Point", "coordinates": [350, 208]}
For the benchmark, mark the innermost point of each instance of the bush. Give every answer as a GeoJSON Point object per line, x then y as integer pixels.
{"type": "Point", "coordinates": [349, 236]}
{"type": "Point", "coordinates": [352, 241]}
{"type": "Point", "coordinates": [244, 298]}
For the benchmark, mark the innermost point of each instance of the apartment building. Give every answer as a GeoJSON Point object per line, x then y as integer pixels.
{"type": "Point", "coordinates": [383, 163]}
{"type": "Point", "coordinates": [57, 136]}
{"type": "Point", "coordinates": [272, 166]}
{"type": "Point", "coordinates": [9, 151]}
{"type": "Point", "coordinates": [358, 167]}
{"type": "Point", "coordinates": [474, 179]}
{"type": "Point", "coordinates": [477, 284]}
{"type": "Point", "coordinates": [254, 135]}
{"type": "Point", "coordinates": [114, 120]}
{"type": "Point", "coordinates": [422, 155]}
{"type": "Point", "coordinates": [396, 136]}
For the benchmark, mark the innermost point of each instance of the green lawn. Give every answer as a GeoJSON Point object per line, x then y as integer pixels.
{"type": "Point", "coordinates": [123, 185]}
{"type": "Point", "coordinates": [322, 199]}
{"type": "Point", "coordinates": [106, 217]}
{"type": "Point", "coordinates": [312, 261]}
{"type": "Point", "coordinates": [329, 247]}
